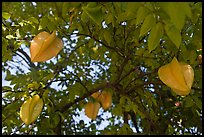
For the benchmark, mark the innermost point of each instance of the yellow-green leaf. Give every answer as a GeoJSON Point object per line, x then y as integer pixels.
{"type": "Point", "coordinates": [173, 34]}
{"type": "Point", "coordinates": [187, 10]}
{"type": "Point", "coordinates": [94, 13]}
{"type": "Point", "coordinates": [176, 14]}
{"type": "Point", "coordinates": [6, 15]}
{"type": "Point", "coordinates": [107, 36]}
{"type": "Point", "coordinates": [141, 14]}
{"type": "Point", "coordinates": [147, 25]}
{"type": "Point", "coordinates": [155, 34]}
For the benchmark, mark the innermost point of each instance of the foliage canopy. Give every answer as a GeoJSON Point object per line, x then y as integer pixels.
{"type": "Point", "coordinates": [108, 46]}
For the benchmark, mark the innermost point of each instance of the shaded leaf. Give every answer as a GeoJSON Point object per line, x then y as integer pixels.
{"type": "Point", "coordinates": [107, 36]}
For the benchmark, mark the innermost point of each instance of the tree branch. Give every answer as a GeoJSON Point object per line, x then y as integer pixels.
{"type": "Point", "coordinates": [134, 120]}
{"type": "Point", "coordinates": [125, 114]}
{"type": "Point", "coordinates": [31, 64]}
{"type": "Point", "coordinates": [102, 86]}
{"type": "Point", "coordinates": [141, 85]}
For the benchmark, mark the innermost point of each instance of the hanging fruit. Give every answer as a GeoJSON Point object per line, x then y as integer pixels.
{"type": "Point", "coordinates": [104, 97]}
{"type": "Point", "coordinates": [31, 109]}
{"type": "Point", "coordinates": [106, 100]}
{"type": "Point", "coordinates": [91, 109]}
{"type": "Point", "coordinates": [45, 46]}
{"type": "Point", "coordinates": [97, 95]}
{"type": "Point", "coordinates": [178, 76]}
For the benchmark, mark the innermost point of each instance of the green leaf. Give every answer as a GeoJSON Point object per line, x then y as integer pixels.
{"type": "Point", "coordinates": [34, 20]}
{"type": "Point", "coordinates": [109, 18]}
{"type": "Point", "coordinates": [84, 17]}
{"type": "Point", "coordinates": [6, 89]}
{"type": "Point", "coordinates": [13, 106]}
{"type": "Point", "coordinates": [186, 9]}
{"type": "Point", "coordinates": [44, 22]}
{"type": "Point", "coordinates": [141, 14]}
{"type": "Point", "coordinates": [188, 102]}
{"type": "Point", "coordinates": [6, 15]}
{"type": "Point", "coordinates": [155, 35]}
{"type": "Point", "coordinates": [173, 34]}
{"type": "Point", "coordinates": [147, 25]}
{"type": "Point", "coordinates": [6, 53]}
{"type": "Point", "coordinates": [55, 120]}
{"type": "Point", "coordinates": [176, 14]}
{"type": "Point", "coordinates": [197, 101]}
{"type": "Point", "coordinates": [117, 110]}
{"type": "Point", "coordinates": [95, 13]}
{"type": "Point", "coordinates": [133, 6]}
{"type": "Point", "coordinates": [140, 51]}
{"type": "Point", "coordinates": [107, 36]}
{"type": "Point", "coordinates": [61, 115]}
{"type": "Point", "coordinates": [10, 37]}
{"type": "Point", "coordinates": [9, 76]}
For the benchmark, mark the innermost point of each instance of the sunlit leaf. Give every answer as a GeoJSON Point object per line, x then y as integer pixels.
{"type": "Point", "coordinates": [176, 13]}
{"type": "Point", "coordinates": [174, 34]}
{"type": "Point", "coordinates": [94, 13]}
{"type": "Point", "coordinates": [155, 35]}
{"type": "Point", "coordinates": [6, 15]}
{"type": "Point", "coordinates": [141, 14]}
{"type": "Point", "coordinates": [147, 25]}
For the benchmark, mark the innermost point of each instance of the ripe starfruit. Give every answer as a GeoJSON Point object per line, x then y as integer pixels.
{"type": "Point", "coordinates": [45, 46]}
{"type": "Point", "coordinates": [91, 109]}
{"type": "Point", "coordinates": [97, 95]}
{"type": "Point", "coordinates": [31, 109]}
{"type": "Point", "coordinates": [178, 76]}
{"type": "Point", "coordinates": [104, 97]}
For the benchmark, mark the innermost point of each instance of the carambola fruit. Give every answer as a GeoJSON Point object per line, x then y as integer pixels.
{"type": "Point", "coordinates": [44, 46]}
{"type": "Point", "coordinates": [91, 109]}
{"type": "Point", "coordinates": [104, 97]}
{"type": "Point", "coordinates": [178, 76]}
{"type": "Point", "coordinates": [31, 109]}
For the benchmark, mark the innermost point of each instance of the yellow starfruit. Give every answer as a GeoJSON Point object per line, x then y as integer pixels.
{"type": "Point", "coordinates": [106, 100]}
{"type": "Point", "coordinates": [91, 109]}
{"type": "Point", "coordinates": [31, 109]}
{"type": "Point", "coordinates": [45, 46]}
{"type": "Point", "coordinates": [97, 95]}
{"type": "Point", "coordinates": [104, 97]}
{"type": "Point", "coordinates": [178, 76]}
